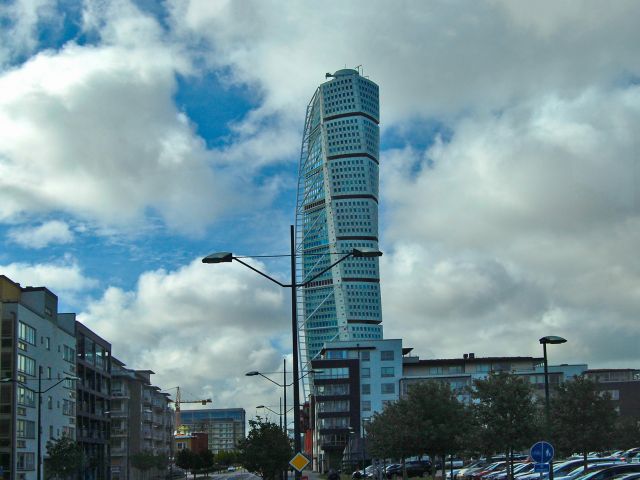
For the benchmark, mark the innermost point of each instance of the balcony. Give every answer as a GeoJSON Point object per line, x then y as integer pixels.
{"type": "Point", "coordinates": [119, 394]}
{"type": "Point", "coordinates": [119, 413]}
{"type": "Point", "coordinates": [119, 432]}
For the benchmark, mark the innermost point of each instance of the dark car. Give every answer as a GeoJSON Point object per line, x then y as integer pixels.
{"type": "Point", "coordinates": [611, 472]}
{"type": "Point", "coordinates": [415, 468]}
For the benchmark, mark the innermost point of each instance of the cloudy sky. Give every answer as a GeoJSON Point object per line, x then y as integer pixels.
{"type": "Point", "coordinates": [138, 136]}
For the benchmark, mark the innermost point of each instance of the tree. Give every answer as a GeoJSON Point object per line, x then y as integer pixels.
{"type": "Point", "coordinates": [582, 417]}
{"type": "Point", "coordinates": [627, 433]}
{"type": "Point", "coordinates": [439, 418]}
{"type": "Point", "coordinates": [266, 450]}
{"type": "Point", "coordinates": [188, 460]}
{"type": "Point", "coordinates": [207, 460]}
{"type": "Point", "coordinates": [227, 457]}
{"type": "Point", "coordinates": [64, 458]}
{"type": "Point", "coordinates": [506, 412]}
{"type": "Point", "coordinates": [143, 461]}
{"type": "Point", "coordinates": [393, 433]}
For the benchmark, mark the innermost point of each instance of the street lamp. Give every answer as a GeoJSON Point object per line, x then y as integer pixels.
{"type": "Point", "coordinates": [226, 257]}
{"type": "Point", "coordinates": [549, 340]}
{"type": "Point", "coordinates": [274, 412]}
{"type": "Point", "coordinates": [39, 426]}
{"type": "Point", "coordinates": [283, 385]}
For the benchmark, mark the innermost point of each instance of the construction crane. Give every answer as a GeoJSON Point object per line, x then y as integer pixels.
{"type": "Point", "coordinates": [179, 401]}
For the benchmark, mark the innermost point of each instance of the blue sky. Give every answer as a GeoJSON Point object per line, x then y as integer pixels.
{"type": "Point", "coordinates": [136, 137]}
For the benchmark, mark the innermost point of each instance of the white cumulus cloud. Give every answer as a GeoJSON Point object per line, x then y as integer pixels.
{"type": "Point", "coordinates": [48, 233]}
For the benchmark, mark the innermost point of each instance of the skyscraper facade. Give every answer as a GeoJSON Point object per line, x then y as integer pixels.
{"type": "Point", "coordinates": [337, 210]}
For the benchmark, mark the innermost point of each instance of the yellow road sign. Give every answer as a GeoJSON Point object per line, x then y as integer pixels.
{"type": "Point", "coordinates": [299, 461]}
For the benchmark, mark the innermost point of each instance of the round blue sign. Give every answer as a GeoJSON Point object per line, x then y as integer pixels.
{"type": "Point", "coordinates": [542, 452]}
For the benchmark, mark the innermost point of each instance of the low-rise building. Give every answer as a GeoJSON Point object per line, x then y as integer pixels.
{"type": "Point", "coordinates": [622, 385]}
{"type": "Point", "coordinates": [461, 372]}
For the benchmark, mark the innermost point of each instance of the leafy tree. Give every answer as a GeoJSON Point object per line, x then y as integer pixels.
{"type": "Point", "coordinates": [506, 414]}
{"type": "Point", "coordinates": [393, 433]}
{"type": "Point", "coordinates": [582, 417]}
{"type": "Point", "coordinates": [207, 460]}
{"type": "Point", "coordinates": [227, 457]}
{"type": "Point", "coordinates": [627, 433]}
{"type": "Point", "coordinates": [439, 418]}
{"type": "Point", "coordinates": [189, 460]}
{"type": "Point", "coordinates": [266, 450]}
{"type": "Point", "coordinates": [64, 458]}
{"type": "Point", "coordinates": [143, 461]}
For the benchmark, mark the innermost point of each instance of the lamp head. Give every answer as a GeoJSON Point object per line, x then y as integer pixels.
{"type": "Point", "coordinates": [218, 257]}
{"type": "Point", "coordinates": [252, 374]}
{"type": "Point", "coordinates": [6, 380]}
{"type": "Point", "coordinates": [552, 340]}
{"type": "Point", "coordinates": [315, 370]}
{"type": "Point", "coordinates": [365, 253]}
{"type": "Point", "coordinates": [260, 406]}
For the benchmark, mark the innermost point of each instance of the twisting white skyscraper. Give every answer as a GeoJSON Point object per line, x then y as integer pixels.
{"type": "Point", "coordinates": [337, 210]}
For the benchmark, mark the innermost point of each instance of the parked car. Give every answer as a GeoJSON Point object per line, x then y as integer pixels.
{"type": "Point", "coordinates": [579, 471]}
{"type": "Point", "coordinates": [610, 472]}
{"type": "Point", "coordinates": [415, 468]}
{"type": "Point", "coordinates": [518, 468]}
{"type": "Point", "coordinates": [563, 468]}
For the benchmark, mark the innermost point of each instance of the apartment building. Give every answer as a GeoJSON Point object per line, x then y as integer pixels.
{"type": "Point", "coordinates": [141, 419]}
{"type": "Point", "coordinates": [37, 372]}
{"type": "Point", "coordinates": [461, 372]}
{"type": "Point", "coordinates": [622, 385]}
{"type": "Point", "coordinates": [356, 379]}
{"type": "Point", "coordinates": [94, 395]}
{"type": "Point", "coordinates": [224, 426]}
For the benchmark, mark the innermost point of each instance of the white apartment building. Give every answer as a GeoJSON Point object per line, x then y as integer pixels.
{"type": "Point", "coordinates": [37, 355]}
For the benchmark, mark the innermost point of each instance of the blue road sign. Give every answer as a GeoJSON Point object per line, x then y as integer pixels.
{"type": "Point", "coordinates": [542, 452]}
{"type": "Point", "coordinates": [541, 467]}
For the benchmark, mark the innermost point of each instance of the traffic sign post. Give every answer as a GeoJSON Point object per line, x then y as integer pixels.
{"type": "Point", "coordinates": [541, 467]}
{"type": "Point", "coordinates": [542, 452]}
{"type": "Point", "coordinates": [299, 462]}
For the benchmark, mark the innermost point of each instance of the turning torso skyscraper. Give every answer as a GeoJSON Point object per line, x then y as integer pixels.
{"type": "Point", "coordinates": [336, 211]}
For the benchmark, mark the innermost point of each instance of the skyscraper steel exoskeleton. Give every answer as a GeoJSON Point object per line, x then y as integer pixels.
{"type": "Point", "coordinates": [336, 211]}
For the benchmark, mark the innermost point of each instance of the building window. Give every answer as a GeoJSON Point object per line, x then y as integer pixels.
{"type": "Point", "coordinates": [26, 365]}
{"type": "Point", "coordinates": [26, 397]}
{"type": "Point", "coordinates": [366, 389]}
{"type": "Point", "coordinates": [387, 355]}
{"type": "Point", "coordinates": [387, 372]}
{"type": "Point", "coordinates": [50, 402]}
{"type": "Point", "coordinates": [26, 333]}
{"type": "Point", "coordinates": [49, 373]}
{"type": "Point", "coordinates": [366, 372]}
{"type": "Point", "coordinates": [25, 429]}
{"type": "Point", "coordinates": [365, 356]}
{"type": "Point", "coordinates": [25, 461]}
{"type": "Point", "coordinates": [366, 405]}
{"type": "Point", "coordinates": [47, 343]}
{"type": "Point", "coordinates": [387, 388]}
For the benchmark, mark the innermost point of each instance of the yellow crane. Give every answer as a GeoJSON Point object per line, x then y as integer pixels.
{"type": "Point", "coordinates": [179, 402]}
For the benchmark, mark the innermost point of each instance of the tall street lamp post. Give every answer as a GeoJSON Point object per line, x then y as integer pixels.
{"type": "Point", "coordinates": [226, 257]}
{"type": "Point", "coordinates": [549, 340]}
{"type": "Point", "coordinates": [284, 387]}
{"type": "Point", "coordinates": [39, 418]}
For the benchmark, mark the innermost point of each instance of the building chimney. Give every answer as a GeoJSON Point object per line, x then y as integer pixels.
{"type": "Point", "coordinates": [465, 356]}
{"type": "Point", "coordinates": [472, 355]}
